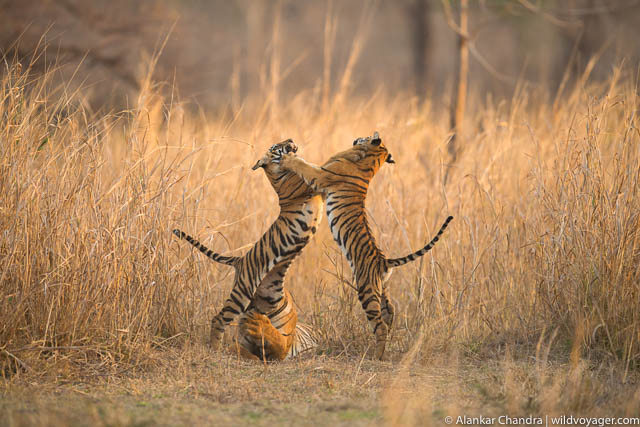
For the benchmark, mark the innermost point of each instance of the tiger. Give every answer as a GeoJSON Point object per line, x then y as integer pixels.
{"type": "Point", "coordinates": [268, 326]}
{"type": "Point", "coordinates": [344, 179]}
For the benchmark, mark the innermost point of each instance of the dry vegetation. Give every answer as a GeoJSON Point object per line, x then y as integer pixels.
{"type": "Point", "coordinates": [528, 305]}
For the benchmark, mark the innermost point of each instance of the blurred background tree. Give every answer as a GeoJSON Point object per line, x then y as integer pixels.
{"type": "Point", "coordinates": [220, 52]}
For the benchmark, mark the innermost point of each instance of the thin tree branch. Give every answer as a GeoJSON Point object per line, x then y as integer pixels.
{"type": "Point", "coordinates": [550, 17]}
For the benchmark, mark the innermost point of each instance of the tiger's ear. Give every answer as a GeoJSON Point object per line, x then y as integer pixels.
{"type": "Point", "coordinates": [258, 165]}
{"type": "Point", "coordinates": [375, 140]}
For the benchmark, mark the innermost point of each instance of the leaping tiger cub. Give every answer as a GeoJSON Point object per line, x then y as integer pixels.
{"type": "Point", "coordinates": [268, 326]}
{"type": "Point", "coordinates": [344, 179]}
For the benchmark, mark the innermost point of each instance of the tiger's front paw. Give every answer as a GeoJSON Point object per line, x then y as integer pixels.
{"type": "Point", "coordinates": [286, 160]}
{"type": "Point", "coordinates": [215, 339]}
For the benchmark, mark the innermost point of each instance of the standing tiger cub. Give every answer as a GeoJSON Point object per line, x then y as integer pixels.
{"type": "Point", "coordinates": [344, 179]}
{"type": "Point", "coordinates": [268, 324]}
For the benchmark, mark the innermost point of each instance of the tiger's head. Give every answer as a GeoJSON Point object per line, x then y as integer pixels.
{"type": "Point", "coordinates": [373, 146]}
{"type": "Point", "coordinates": [270, 160]}
{"type": "Point", "coordinates": [289, 186]}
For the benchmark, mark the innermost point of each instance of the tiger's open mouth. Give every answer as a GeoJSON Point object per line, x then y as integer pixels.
{"type": "Point", "coordinates": [389, 159]}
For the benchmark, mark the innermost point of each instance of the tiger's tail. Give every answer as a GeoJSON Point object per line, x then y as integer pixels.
{"type": "Point", "coordinates": [396, 262]}
{"type": "Point", "coordinates": [227, 260]}
{"type": "Point", "coordinates": [304, 340]}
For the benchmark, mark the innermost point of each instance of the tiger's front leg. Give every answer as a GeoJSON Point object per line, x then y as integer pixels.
{"type": "Point", "coordinates": [313, 176]}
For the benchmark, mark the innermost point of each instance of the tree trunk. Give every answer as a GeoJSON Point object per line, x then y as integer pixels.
{"type": "Point", "coordinates": [459, 96]}
{"type": "Point", "coordinates": [419, 17]}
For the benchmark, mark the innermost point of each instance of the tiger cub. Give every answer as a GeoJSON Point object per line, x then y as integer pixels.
{"type": "Point", "coordinates": [268, 325]}
{"type": "Point", "coordinates": [344, 179]}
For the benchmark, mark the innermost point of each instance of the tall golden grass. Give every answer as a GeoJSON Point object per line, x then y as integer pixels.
{"type": "Point", "coordinates": [545, 246]}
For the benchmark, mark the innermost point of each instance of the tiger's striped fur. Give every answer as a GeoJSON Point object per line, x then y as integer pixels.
{"type": "Point", "coordinates": [345, 178]}
{"type": "Point", "coordinates": [268, 325]}
{"type": "Point", "coordinates": [269, 329]}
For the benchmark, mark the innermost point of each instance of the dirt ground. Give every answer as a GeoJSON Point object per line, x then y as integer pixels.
{"type": "Point", "coordinates": [191, 386]}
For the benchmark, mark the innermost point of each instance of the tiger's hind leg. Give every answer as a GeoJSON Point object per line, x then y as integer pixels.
{"type": "Point", "coordinates": [243, 352]}
{"type": "Point", "coordinates": [270, 326]}
{"type": "Point", "coordinates": [236, 304]}
{"type": "Point", "coordinates": [369, 297]}
{"type": "Point", "coordinates": [274, 345]}
{"type": "Point", "coordinates": [388, 310]}
{"type": "Point", "coordinates": [266, 293]}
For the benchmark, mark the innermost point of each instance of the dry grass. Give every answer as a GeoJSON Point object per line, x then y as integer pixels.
{"type": "Point", "coordinates": [191, 386]}
{"type": "Point", "coordinates": [529, 304]}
